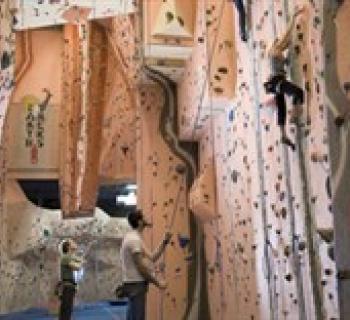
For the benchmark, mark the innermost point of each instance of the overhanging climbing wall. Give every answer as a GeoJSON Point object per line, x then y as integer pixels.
{"type": "Point", "coordinates": [29, 234]}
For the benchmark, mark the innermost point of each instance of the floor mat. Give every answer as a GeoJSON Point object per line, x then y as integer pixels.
{"type": "Point", "coordinates": [96, 311]}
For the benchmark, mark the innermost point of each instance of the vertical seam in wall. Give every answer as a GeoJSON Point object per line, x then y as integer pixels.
{"type": "Point", "coordinates": [293, 238]}
{"type": "Point", "coordinates": [255, 71]}
{"type": "Point", "coordinates": [313, 252]}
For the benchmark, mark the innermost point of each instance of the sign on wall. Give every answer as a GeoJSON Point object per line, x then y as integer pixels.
{"type": "Point", "coordinates": [33, 134]}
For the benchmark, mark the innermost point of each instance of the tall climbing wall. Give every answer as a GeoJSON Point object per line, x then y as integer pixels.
{"type": "Point", "coordinates": [163, 200]}
{"type": "Point", "coordinates": [272, 221]}
{"type": "Point", "coordinates": [119, 124]}
{"type": "Point", "coordinates": [269, 246]}
{"type": "Point", "coordinates": [336, 19]}
{"type": "Point", "coordinates": [30, 235]}
{"type": "Point", "coordinates": [99, 123]}
{"type": "Point", "coordinates": [205, 97]}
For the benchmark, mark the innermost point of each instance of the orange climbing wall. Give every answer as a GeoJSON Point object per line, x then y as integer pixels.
{"type": "Point", "coordinates": [31, 245]}
{"type": "Point", "coordinates": [269, 252]}
{"type": "Point", "coordinates": [163, 199]}
{"type": "Point", "coordinates": [40, 60]}
{"type": "Point", "coordinates": [119, 123]}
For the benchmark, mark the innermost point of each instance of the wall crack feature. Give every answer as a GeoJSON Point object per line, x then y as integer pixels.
{"type": "Point", "coordinates": [167, 127]}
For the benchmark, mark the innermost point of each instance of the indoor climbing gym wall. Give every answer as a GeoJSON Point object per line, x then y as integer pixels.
{"type": "Point", "coordinates": [336, 19]}
{"type": "Point", "coordinates": [119, 122]}
{"type": "Point", "coordinates": [269, 238]}
{"type": "Point", "coordinates": [169, 94]}
{"type": "Point", "coordinates": [60, 91]}
{"type": "Point", "coordinates": [34, 235]}
{"type": "Point", "coordinates": [162, 179]}
{"type": "Point", "coordinates": [204, 95]}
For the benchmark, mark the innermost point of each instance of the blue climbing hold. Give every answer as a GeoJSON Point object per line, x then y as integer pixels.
{"type": "Point", "coordinates": [183, 241]}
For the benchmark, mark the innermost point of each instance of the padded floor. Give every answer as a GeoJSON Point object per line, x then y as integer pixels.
{"type": "Point", "coordinates": [97, 311]}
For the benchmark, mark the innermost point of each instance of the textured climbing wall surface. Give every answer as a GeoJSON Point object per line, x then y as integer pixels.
{"type": "Point", "coordinates": [210, 71]}
{"type": "Point", "coordinates": [35, 105]}
{"type": "Point", "coordinates": [33, 237]}
{"type": "Point", "coordinates": [119, 130]}
{"type": "Point", "coordinates": [343, 47]}
{"type": "Point", "coordinates": [104, 117]}
{"type": "Point", "coordinates": [84, 86]}
{"type": "Point", "coordinates": [34, 14]}
{"type": "Point", "coordinates": [269, 248]}
{"type": "Point", "coordinates": [163, 200]}
{"type": "Point", "coordinates": [56, 59]}
{"type": "Point", "coordinates": [275, 221]}
{"type": "Point", "coordinates": [167, 17]}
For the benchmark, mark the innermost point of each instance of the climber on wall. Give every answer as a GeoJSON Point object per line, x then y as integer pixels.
{"type": "Point", "coordinates": [279, 85]}
{"type": "Point", "coordinates": [242, 19]}
{"type": "Point", "coordinates": [70, 262]}
{"type": "Point", "coordinates": [135, 270]}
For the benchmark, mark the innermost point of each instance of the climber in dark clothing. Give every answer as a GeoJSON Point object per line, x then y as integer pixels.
{"type": "Point", "coordinates": [69, 263]}
{"type": "Point", "coordinates": [242, 19]}
{"type": "Point", "coordinates": [279, 85]}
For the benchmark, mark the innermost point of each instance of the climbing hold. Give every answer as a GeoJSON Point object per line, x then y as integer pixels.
{"type": "Point", "coordinates": [287, 251]}
{"type": "Point", "coordinates": [180, 168]}
{"type": "Point", "coordinates": [301, 245]}
{"type": "Point", "coordinates": [326, 235]}
{"type": "Point", "coordinates": [329, 187]}
{"type": "Point", "coordinates": [234, 176]}
{"type": "Point", "coordinates": [330, 252]}
{"type": "Point", "coordinates": [288, 277]}
{"type": "Point", "coordinates": [183, 241]}
{"type": "Point", "coordinates": [5, 60]}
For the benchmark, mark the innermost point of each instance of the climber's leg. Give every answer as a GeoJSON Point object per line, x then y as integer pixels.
{"type": "Point", "coordinates": [242, 19]}
{"type": "Point", "coordinates": [281, 120]}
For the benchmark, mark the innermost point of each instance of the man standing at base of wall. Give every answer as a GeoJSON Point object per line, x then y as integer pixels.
{"type": "Point", "coordinates": [69, 263]}
{"type": "Point", "coordinates": [135, 270]}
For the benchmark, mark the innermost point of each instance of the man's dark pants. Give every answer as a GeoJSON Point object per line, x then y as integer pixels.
{"type": "Point", "coordinates": [136, 292]}
{"type": "Point", "coordinates": [67, 301]}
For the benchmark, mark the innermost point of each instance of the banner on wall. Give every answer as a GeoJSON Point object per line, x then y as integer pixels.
{"type": "Point", "coordinates": [33, 138]}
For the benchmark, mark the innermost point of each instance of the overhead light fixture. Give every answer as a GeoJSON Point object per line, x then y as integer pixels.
{"type": "Point", "coordinates": [131, 187]}
{"type": "Point", "coordinates": [128, 200]}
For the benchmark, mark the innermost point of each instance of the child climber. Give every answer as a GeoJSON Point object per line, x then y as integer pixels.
{"type": "Point", "coordinates": [277, 82]}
